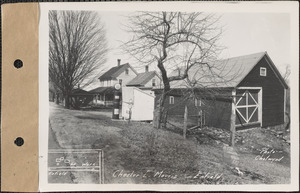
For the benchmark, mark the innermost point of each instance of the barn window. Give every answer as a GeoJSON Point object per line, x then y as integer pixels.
{"type": "Point", "coordinates": [171, 100]}
{"type": "Point", "coordinates": [153, 82]}
{"type": "Point", "coordinates": [127, 71]}
{"type": "Point", "coordinates": [263, 71]}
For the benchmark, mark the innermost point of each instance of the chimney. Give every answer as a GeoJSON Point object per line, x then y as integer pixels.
{"type": "Point", "coordinates": [119, 62]}
{"type": "Point", "coordinates": [147, 68]}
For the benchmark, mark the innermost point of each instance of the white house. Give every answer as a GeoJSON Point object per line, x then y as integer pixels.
{"type": "Point", "coordinates": [122, 74]}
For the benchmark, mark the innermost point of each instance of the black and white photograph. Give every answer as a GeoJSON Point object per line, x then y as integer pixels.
{"type": "Point", "coordinates": [190, 95]}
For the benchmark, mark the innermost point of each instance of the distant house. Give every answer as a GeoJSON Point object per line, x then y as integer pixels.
{"type": "Point", "coordinates": [252, 80]}
{"type": "Point", "coordinates": [146, 80]}
{"type": "Point", "coordinates": [121, 74]}
{"type": "Point", "coordinates": [80, 98]}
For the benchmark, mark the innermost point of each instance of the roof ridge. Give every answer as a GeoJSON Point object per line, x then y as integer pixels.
{"type": "Point", "coordinates": [240, 56]}
{"type": "Point", "coordinates": [110, 73]}
{"type": "Point", "coordinates": [147, 72]}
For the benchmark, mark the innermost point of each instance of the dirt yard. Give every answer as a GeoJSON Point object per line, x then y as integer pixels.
{"type": "Point", "coordinates": [136, 153]}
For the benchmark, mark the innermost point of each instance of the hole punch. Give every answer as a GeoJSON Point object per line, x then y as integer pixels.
{"type": "Point", "coordinates": [18, 63]}
{"type": "Point", "coordinates": [19, 141]}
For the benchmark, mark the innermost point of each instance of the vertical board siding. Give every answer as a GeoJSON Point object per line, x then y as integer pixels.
{"type": "Point", "coordinates": [273, 93]}
{"type": "Point", "coordinates": [217, 111]}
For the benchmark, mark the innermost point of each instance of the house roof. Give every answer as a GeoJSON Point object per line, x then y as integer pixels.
{"type": "Point", "coordinates": [141, 79]}
{"type": "Point", "coordinates": [79, 91]}
{"type": "Point", "coordinates": [225, 73]}
{"type": "Point", "coordinates": [114, 72]}
{"type": "Point", "coordinates": [101, 90]}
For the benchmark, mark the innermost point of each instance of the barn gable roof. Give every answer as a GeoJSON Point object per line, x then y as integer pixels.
{"type": "Point", "coordinates": [225, 73]}
{"type": "Point", "coordinates": [277, 73]}
{"type": "Point", "coordinates": [142, 78]}
{"type": "Point", "coordinates": [114, 72]}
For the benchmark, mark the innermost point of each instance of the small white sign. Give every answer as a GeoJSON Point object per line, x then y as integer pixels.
{"type": "Point", "coordinates": [116, 111]}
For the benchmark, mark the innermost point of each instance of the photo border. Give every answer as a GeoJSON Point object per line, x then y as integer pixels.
{"type": "Point", "coordinates": [224, 7]}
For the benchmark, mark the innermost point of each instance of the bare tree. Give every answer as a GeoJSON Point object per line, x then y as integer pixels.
{"type": "Point", "coordinates": [287, 73]}
{"type": "Point", "coordinates": [175, 41]}
{"type": "Point", "coordinates": [77, 48]}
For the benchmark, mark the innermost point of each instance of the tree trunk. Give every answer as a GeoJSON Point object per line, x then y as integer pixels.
{"type": "Point", "coordinates": [185, 121]}
{"type": "Point", "coordinates": [57, 99]}
{"type": "Point", "coordinates": [158, 112]}
{"type": "Point", "coordinates": [165, 118]}
{"type": "Point", "coordinates": [67, 101]}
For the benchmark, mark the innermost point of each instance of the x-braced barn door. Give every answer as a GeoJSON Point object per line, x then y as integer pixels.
{"type": "Point", "coordinates": [247, 107]}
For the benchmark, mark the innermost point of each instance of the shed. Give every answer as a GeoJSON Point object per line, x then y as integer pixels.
{"type": "Point", "coordinates": [137, 102]}
{"type": "Point", "coordinates": [253, 81]}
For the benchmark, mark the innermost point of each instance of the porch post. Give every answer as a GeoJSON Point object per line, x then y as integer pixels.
{"type": "Point", "coordinates": [104, 99]}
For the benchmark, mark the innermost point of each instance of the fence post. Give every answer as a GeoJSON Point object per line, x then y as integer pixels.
{"type": "Point", "coordinates": [199, 120]}
{"type": "Point", "coordinates": [232, 119]}
{"type": "Point", "coordinates": [185, 121]}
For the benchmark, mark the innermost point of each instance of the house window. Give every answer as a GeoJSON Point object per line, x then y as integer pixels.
{"type": "Point", "coordinates": [263, 71]}
{"type": "Point", "coordinates": [126, 71]}
{"type": "Point", "coordinates": [171, 100]}
{"type": "Point", "coordinates": [153, 82]}
{"type": "Point", "coordinates": [120, 82]}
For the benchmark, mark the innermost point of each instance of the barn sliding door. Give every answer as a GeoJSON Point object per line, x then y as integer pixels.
{"type": "Point", "coordinates": [247, 107]}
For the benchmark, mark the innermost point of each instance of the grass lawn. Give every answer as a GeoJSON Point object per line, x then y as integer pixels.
{"type": "Point", "coordinates": [136, 153]}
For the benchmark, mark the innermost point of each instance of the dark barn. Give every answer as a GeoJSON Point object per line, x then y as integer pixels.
{"type": "Point", "coordinates": [253, 89]}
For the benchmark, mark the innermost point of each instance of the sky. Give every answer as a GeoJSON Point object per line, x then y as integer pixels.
{"type": "Point", "coordinates": [243, 33]}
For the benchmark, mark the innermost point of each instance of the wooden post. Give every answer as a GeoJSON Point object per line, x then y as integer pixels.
{"type": "Point", "coordinates": [199, 118]}
{"type": "Point", "coordinates": [185, 121]}
{"type": "Point", "coordinates": [232, 119]}
{"type": "Point", "coordinates": [104, 99]}
{"type": "Point", "coordinates": [129, 119]}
